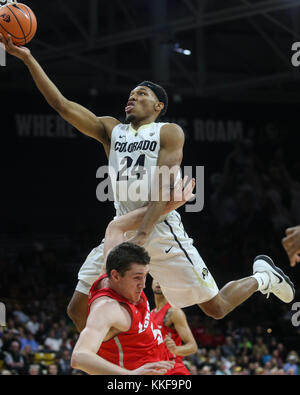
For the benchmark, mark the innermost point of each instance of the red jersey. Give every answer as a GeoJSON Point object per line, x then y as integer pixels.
{"type": "Point", "coordinates": [142, 343]}
{"type": "Point", "coordinates": [159, 316]}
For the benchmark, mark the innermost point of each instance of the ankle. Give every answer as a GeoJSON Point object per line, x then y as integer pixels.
{"type": "Point", "coordinates": [262, 279]}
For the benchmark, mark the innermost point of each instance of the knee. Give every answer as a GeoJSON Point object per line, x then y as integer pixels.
{"type": "Point", "coordinates": [216, 314]}
{"type": "Point", "coordinates": [77, 319]}
{"type": "Point", "coordinates": [214, 308]}
{"type": "Point", "coordinates": [77, 309]}
{"type": "Point", "coordinates": [71, 311]}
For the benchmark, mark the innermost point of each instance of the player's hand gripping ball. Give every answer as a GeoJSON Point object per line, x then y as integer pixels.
{"type": "Point", "coordinates": [19, 21]}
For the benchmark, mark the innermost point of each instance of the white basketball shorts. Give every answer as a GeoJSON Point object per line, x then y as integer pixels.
{"type": "Point", "coordinates": [175, 264]}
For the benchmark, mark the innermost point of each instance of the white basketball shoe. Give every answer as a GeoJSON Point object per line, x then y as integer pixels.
{"type": "Point", "coordinates": [279, 284]}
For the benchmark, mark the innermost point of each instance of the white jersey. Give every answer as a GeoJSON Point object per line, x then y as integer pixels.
{"type": "Point", "coordinates": [132, 161]}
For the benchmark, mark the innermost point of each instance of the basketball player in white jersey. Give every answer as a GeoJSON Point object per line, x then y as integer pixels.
{"type": "Point", "coordinates": [175, 263]}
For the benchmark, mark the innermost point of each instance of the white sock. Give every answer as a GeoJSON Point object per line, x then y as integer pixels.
{"type": "Point", "coordinates": [262, 279]}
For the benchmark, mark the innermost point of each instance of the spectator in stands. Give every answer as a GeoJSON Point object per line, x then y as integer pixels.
{"type": "Point", "coordinates": [28, 356]}
{"type": "Point", "coordinates": [52, 343]}
{"type": "Point", "coordinates": [205, 371]}
{"type": "Point", "coordinates": [52, 370]}
{"type": "Point", "coordinates": [193, 369]}
{"type": "Point", "coordinates": [19, 315]}
{"type": "Point", "coordinates": [41, 335]}
{"type": "Point", "coordinates": [66, 343]}
{"type": "Point", "coordinates": [229, 347]}
{"type": "Point", "coordinates": [11, 327]}
{"type": "Point", "coordinates": [222, 370]}
{"type": "Point", "coordinates": [260, 347]}
{"type": "Point", "coordinates": [33, 325]}
{"type": "Point", "coordinates": [28, 340]}
{"type": "Point", "coordinates": [245, 346]}
{"type": "Point", "coordinates": [276, 358]}
{"type": "Point", "coordinates": [291, 366]}
{"type": "Point", "coordinates": [34, 370]}
{"type": "Point", "coordinates": [13, 359]}
{"type": "Point", "coordinates": [282, 351]}
{"type": "Point", "coordinates": [64, 362]}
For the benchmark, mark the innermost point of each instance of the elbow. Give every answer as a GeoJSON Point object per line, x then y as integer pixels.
{"type": "Point", "coordinates": [194, 348]}
{"type": "Point", "coordinates": [59, 104]}
{"type": "Point", "coordinates": [111, 228]}
{"type": "Point", "coordinates": [75, 360]}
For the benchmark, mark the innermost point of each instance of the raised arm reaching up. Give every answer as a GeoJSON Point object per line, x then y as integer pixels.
{"type": "Point", "coordinates": [81, 118]}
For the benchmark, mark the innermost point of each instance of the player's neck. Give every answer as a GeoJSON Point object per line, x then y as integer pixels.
{"type": "Point", "coordinates": [160, 301]}
{"type": "Point", "coordinates": [136, 124]}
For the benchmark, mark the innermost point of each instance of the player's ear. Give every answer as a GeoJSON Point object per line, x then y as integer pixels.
{"type": "Point", "coordinates": [115, 275]}
{"type": "Point", "coordinates": [159, 106]}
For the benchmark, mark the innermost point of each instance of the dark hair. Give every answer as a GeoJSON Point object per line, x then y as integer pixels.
{"type": "Point", "coordinates": [160, 93]}
{"type": "Point", "coordinates": [123, 255]}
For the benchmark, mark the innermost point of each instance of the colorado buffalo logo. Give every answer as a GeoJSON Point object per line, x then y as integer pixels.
{"type": "Point", "coordinates": [204, 273]}
{"type": "Point", "coordinates": [5, 17]}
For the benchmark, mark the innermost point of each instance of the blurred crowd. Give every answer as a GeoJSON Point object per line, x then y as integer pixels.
{"type": "Point", "coordinates": [41, 343]}
{"type": "Point", "coordinates": [240, 350]}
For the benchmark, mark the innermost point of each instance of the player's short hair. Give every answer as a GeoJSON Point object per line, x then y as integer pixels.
{"type": "Point", "coordinates": [160, 93]}
{"type": "Point", "coordinates": [123, 255]}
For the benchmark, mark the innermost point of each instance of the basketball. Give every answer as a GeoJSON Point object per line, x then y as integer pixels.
{"type": "Point", "coordinates": [19, 21]}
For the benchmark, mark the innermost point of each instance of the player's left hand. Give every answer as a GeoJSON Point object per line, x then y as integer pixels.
{"type": "Point", "coordinates": [291, 244]}
{"type": "Point", "coordinates": [182, 193]}
{"type": "Point", "coordinates": [171, 345]}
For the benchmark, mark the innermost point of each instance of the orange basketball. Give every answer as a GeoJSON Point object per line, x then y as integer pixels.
{"type": "Point", "coordinates": [19, 21]}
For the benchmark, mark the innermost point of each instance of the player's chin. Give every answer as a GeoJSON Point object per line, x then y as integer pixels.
{"type": "Point", "coordinates": [137, 296]}
{"type": "Point", "coordinates": [130, 117]}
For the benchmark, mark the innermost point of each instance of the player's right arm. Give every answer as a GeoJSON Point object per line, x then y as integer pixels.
{"type": "Point", "coordinates": [84, 356]}
{"type": "Point", "coordinates": [177, 318]}
{"type": "Point", "coordinates": [85, 121]}
{"type": "Point", "coordinates": [115, 230]}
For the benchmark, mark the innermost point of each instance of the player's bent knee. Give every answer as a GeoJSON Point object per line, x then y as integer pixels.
{"type": "Point", "coordinates": [217, 315]}
{"type": "Point", "coordinates": [214, 308]}
{"type": "Point", "coordinates": [71, 311]}
{"type": "Point", "coordinates": [77, 309]}
{"type": "Point", "coordinates": [214, 313]}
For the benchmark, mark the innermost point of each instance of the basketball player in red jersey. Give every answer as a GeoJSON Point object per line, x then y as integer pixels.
{"type": "Point", "coordinates": [143, 143]}
{"type": "Point", "coordinates": [126, 337]}
{"type": "Point", "coordinates": [120, 336]}
{"type": "Point", "coordinates": [175, 330]}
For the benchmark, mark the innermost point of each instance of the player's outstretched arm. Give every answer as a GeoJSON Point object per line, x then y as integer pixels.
{"type": "Point", "coordinates": [85, 357]}
{"type": "Point", "coordinates": [291, 244]}
{"type": "Point", "coordinates": [170, 157]}
{"type": "Point", "coordinates": [78, 116]}
{"type": "Point", "coordinates": [178, 319]}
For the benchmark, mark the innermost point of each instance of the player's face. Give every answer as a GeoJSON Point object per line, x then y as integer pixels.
{"type": "Point", "coordinates": [156, 287]}
{"type": "Point", "coordinates": [133, 282]}
{"type": "Point", "coordinates": [141, 104]}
